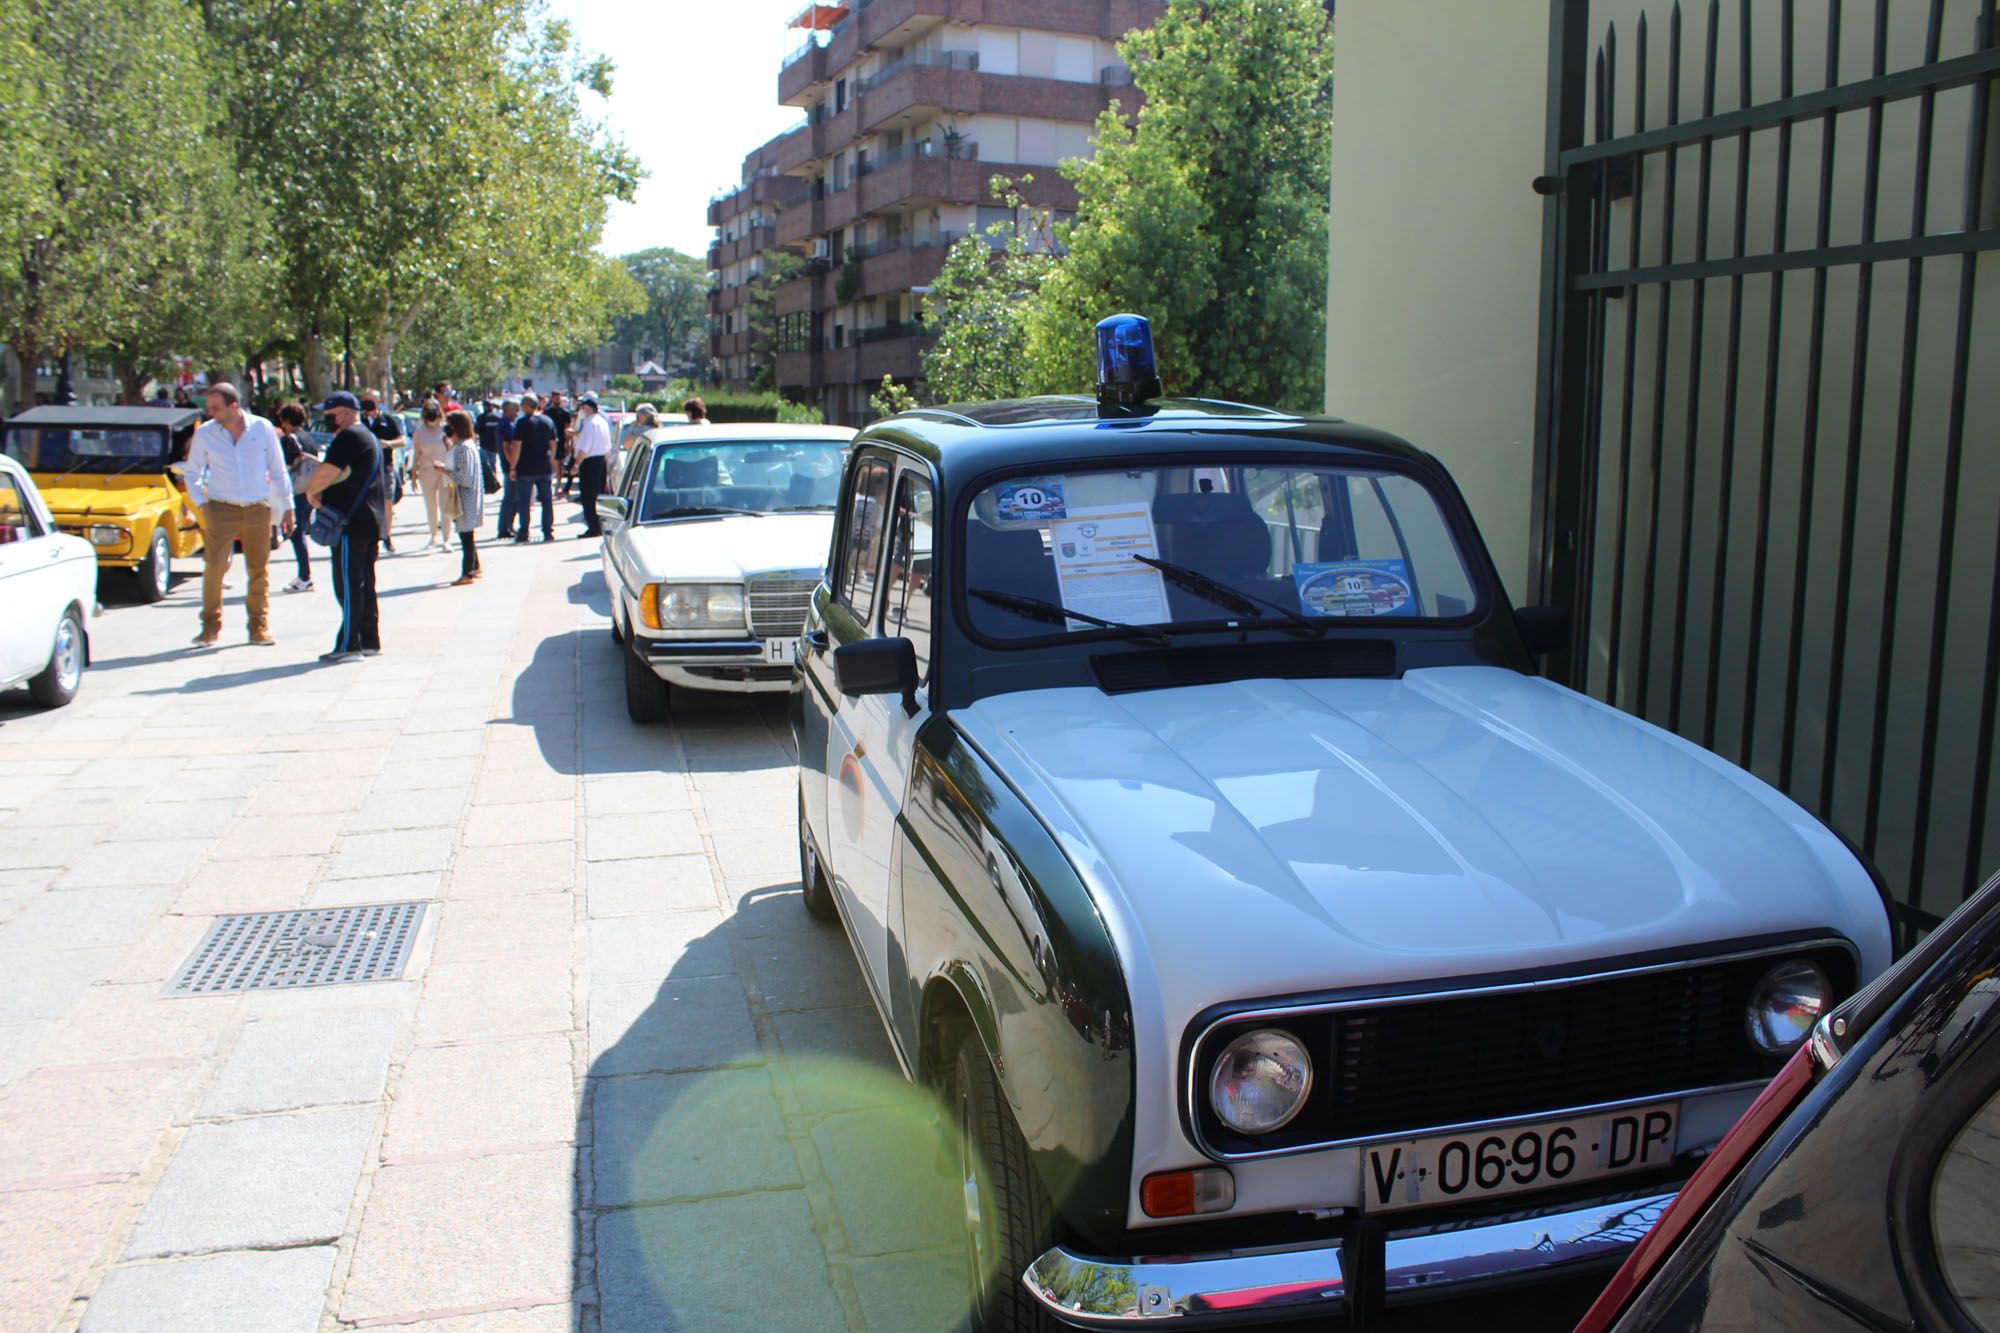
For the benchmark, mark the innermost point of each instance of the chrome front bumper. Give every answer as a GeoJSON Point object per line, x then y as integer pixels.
{"type": "Point", "coordinates": [1291, 1281]}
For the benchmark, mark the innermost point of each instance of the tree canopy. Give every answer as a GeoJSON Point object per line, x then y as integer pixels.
{"type": "Point", "coordinates": [672, 326]}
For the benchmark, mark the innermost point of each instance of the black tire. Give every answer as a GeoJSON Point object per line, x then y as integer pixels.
{"type": "Point", "coordinates": [154, 575]}
{"type": "Point", "coordinates": [63, 676]}
{"type": "Point", "coordinates": [1009, 1220]}
{"type": "Point", "coordinates": [812, 879]}
{"type": "Point", "coordinates": [647, 698]}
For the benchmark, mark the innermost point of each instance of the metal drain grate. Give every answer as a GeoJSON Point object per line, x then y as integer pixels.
{"type": "Point", "coordinates": [327, 946]}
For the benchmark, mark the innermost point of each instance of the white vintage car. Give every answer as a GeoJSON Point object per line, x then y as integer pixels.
{"type": "Point", "coordinates": [713, 544]}
{"type": "Point", "coordinates": [48, 590]}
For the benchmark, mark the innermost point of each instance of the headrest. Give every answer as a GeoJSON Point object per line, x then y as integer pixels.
{"type": "Point", "coordinates": [682, 473]}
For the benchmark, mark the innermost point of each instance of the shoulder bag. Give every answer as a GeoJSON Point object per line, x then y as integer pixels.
{"type": "Point", "coordinates": [326, 526]}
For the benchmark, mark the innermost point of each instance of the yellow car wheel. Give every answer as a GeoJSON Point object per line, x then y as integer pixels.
{"type": "Point", "coordinates": [154, 573]}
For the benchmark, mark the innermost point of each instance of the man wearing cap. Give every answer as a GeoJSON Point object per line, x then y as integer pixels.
{"type": "Point", "coordinates": [644, 417]}
{"type": "Point", "coordinates": [353, 481]}
{"type": "Point", "coordinates": [593, 456]}
{"type": "Point", "coordinates": [237, 479]}
{"type": "Point", "coordinates": [531, 457]}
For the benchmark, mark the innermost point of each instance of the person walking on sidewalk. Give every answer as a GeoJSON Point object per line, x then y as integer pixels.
{"type": "Point", "coordinates": [503, 437]}
{"type": "Point", "coordinates": [387, 428]}
{"type": "Point", "coordinates": [593, 456]}
{"type": "Point", "coordinates": [428, 447]}
{"type": "Point", "coordinates": [530, 472]}
{"type": "Point", "coordinates": [237, 480]}
{"type": "Point", "coordinates": [353, 480]}
{"type": "Point", "coordinates": [461, 471]}
{"type": "Point", "coordinates": [560, 417]}
{"type": "Point", "coordinates": [302, 458]}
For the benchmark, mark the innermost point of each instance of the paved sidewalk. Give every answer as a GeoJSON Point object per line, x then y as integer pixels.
{"type": "Point", "coordinates": [625, 1082]}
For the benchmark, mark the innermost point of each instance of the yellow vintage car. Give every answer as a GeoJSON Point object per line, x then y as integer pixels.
{"type": "Point", "coordinates": [105, 474]}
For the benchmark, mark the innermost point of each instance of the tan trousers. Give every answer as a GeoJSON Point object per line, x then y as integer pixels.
{"type": "Point", "coordinates": [438, 525]}
{"type": "Point", "coordinates": [222, 524]}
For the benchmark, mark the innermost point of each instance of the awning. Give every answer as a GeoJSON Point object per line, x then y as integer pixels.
{"type": "Point", "coordinates": [820, 17]}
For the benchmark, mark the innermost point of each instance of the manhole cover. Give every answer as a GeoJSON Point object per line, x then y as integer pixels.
{"type": "Point", "coordinates": [327, 946]}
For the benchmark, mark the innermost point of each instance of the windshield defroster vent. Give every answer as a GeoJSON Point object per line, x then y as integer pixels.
{"type": "Point", "coordinates": [1165, 668]}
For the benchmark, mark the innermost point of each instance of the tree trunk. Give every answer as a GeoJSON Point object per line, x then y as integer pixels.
{"type": "Point", "coordinates": [131, 383]}
{"type": "Point", "coordinates": [317, 366]}
{"type": "Point", "coordinates": [380, 375]}
{"type": "Point", "coordinates": [25, 356]}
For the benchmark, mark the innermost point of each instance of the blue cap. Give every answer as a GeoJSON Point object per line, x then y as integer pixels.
{"type": "Point", "coordinates": [1126, 375]}
{"type": "Point", "coordinates": [340, 398]}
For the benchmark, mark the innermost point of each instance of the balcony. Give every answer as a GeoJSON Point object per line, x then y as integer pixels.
{"type": "Point", "coordinates": [794, 148]}
{"type": "Point", "coordinates": [728, 344]}
{"type": "Point", "coordinates": [893, 22]}
{"type": "Point", "coordinates": [754, 241]}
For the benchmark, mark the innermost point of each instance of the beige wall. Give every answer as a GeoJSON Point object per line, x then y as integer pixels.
{"type": "Point", "coordinates": [1432, 305]}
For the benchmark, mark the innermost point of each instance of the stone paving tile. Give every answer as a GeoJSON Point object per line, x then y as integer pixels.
{"type": "Point", "coordinates": [477, 929]}
{"type": "Point", "coordinates": [617, 837]}
{"type": "Point", "coordinates": [528, 822]}
{"type": "Point", "coordinates": [454, 773]}
{"type": "Point", "coordinates": [321, 1059]}
{"type": "Point", "coordinates": [365, 854]}
{"type": "Point", "coordinates": [552, 1318]}
{"type": "Point", "coordinates": [39, 983]}
{"type": "Point", "coordinates": [660, 1268]}
{"type": "Point", "coordinates": [804, 971]}
{"type": "Point", "coordinates": [268, 884]}
{"type": "Point", "coordinates": [236, 781]}
{"type": "Point", "coordinates": [175, 819]}
{"type": "Point", "coordinates": [470, 1001]}
{"type": "Point", "coordinates": [25, 846]}
{"type": "Point", "coordinates": [71, 1228]}
{"type": "Point", "coordinates": [911, 1293]}
{"type": "Point", "coordinates": [408, 808]}
{"type": "Point", "coordinates": [68, 808]}
{"type": "Point", "coordinates": [83, 918]}
{"type": "Point", "coordinates": [661, 1137]}
{"type": "Point", "coordinates": [648, 884]}
{"type": "Point", "coordinates": [278, 835]}
{"type": "Point", "coordinates": [645, 794]}
{"type": "Point", "coordinates": [507, 872]}
{"type": "Point", "coordinates": [17, 1043]}
{"type": "Point", "coordinates": [836, 1060]}
{"type": "Point", "coordinates": [697, 1023]}
{"type": "Point", "coordinates": [419, 1252]}
{"type": "Point", "coordinates": [272, 1292]}
{"type": "Point", "coordinates": [503, 787]}
{"type": "Point", "coordinates": [275, 1181]}
{"type": "Point", "coordinates": [19, 887]}
{"type": "Point", "coordinates": [158, 952]}
{"type": "Point", "coordinates": [479, 1097]}
{"type": "Point", "coordinates": [128, 773]}
{"type": "Point", "coordinates": [113, 1117]}
{"type": "Point", "coordinates": [376, 889]}
{"type": "Point", "coordinates": [883, 1166]}
{"type": "Point", "coordinates": [112, 864]}
{"type": "Point", "coordinates": [648, 948]}
{"type": "Point", "coordinates": [293, 798]}
{"type": "Point", "coordinates": [136, 1022]}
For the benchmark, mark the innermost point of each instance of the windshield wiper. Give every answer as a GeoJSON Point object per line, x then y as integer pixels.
{"type": "Point", "coordinates": [1230, 599]}
{"type": "Point", "coordinates": [1034, 608]}
{"type": "Point", "coordinates": [687, 511]}
{"type": "Point", "coordinates": [799, 509]}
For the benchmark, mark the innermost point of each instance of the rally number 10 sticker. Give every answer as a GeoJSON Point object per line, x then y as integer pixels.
{"type": "Point", "coordinates": [1355, 588]}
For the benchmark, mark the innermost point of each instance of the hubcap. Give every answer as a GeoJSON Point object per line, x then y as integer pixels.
{"type": "Point", "coordinates": [158, 561]}
{"type": "Point", "coordinates": [68, 655]}
{"type": "Point", "coordinates": [976, 1263]}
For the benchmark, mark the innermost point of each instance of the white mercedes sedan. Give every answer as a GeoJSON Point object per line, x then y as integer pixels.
{"type": "Point", "coordinates": [48, 591]}
{"type": "Point", "coordinates": [713, 545]}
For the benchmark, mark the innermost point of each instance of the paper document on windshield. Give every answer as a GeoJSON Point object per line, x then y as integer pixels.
{"type": "Point", "coordinates": [1093, 548]}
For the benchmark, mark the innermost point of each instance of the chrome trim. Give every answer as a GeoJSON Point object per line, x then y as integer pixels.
{"type": "Point", "coordinates": [699, 649]}
{"type": "Point", "coordinates": [1280, 1012]}
{"type": "Point", "coordinates": [1300, 1280]}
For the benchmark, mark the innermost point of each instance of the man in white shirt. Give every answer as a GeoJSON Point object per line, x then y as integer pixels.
{"type": "Point", "coordinates": [593, 456]}
{"type": "Point", "coordinates": [237, 479]}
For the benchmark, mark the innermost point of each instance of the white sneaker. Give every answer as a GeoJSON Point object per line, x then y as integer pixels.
{"type": "Point", "coordinates": [299, 585]}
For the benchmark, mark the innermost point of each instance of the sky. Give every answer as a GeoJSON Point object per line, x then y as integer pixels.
{"type": "Point", "coordinates": [696, 88]}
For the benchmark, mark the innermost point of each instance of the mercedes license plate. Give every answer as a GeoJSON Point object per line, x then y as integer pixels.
{"type": "Point", "coordinates": [780, 650]}
{"type": "Point", "coordinates": [1482, 1164]}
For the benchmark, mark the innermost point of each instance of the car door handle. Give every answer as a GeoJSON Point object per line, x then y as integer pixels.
{"type": "Point", "coordinates": [817, 640]}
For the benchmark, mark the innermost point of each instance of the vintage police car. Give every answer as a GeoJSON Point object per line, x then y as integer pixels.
{"type": "Point", "coordinates": [1281, 943]}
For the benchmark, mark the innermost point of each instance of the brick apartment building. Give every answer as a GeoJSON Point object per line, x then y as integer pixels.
{"type": "Point", "coordinates": [911, 108]}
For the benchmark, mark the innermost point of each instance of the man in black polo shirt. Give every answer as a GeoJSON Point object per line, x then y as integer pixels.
{"type": "Point", "coordinates": [560, 417]}
{"type": "Point", "coordinates": [530, 471]}
{"type": "Point", "coordinates": [353, 480]}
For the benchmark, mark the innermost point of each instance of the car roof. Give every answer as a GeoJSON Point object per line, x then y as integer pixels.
{"type": "Point", "coordinates": [170, 418]}
{"type": "Point", "coordinates": [970, 440]}
{"type": "Point", "coordinates": [750, 430]}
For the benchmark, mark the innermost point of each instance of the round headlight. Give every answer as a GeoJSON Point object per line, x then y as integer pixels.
{"type": "Point", "coordinates": [1785, 1004]}
{"type": "Point", "coordinates": [1260, 1081]}
{"type": "Point", "coordinates": [104, 534]}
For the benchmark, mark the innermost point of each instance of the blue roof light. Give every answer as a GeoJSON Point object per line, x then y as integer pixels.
{"type": "Point", "coordinates": [1126, 375]}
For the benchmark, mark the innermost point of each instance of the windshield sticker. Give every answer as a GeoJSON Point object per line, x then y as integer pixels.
{"type": "Point", "coordinates": [1355, 588]}
{"type": "Point", "coordinates": [1095, 571]}
{"type": "Point", "coordinates": [1031, 500]}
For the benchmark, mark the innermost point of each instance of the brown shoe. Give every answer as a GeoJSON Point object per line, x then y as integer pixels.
{"type": "Point", "coordinates": [462, 580]}
{"type": "Point", "coordinates": [262, 638]}
{"type": "Point", "coordinates": [208, 638]}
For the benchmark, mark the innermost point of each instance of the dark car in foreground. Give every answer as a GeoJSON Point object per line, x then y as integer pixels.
{"type": "Point", "coordinates": [1862, 1190]}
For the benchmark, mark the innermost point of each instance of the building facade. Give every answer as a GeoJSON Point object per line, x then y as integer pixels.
{"type": "Point", "coordinates": [912, 107]}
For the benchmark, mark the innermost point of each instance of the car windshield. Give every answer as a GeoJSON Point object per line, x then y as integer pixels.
{"type": "Point", "coordinates": [740, 476]}
{"type": "Point", "coordinates": [1304, 545]}
{"type": "Point", "coordinates": [83, 448]}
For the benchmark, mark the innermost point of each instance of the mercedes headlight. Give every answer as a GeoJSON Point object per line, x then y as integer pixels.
{"type": "Point", "coordinates": [698, 606]}
{"type": "Point", "coordinates": [1785, 1004]}
{"type": "Point", "coordinates": [1260, 1081]}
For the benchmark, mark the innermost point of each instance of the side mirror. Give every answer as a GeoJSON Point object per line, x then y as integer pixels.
{"type": "Point", "coordinates": [878, 666]}
{"type": "Point", "coordinates": [612, 506]}
{"type": "Point", "coordinates": [1545, 629]}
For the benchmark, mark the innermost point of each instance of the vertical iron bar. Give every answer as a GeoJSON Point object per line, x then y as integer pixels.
{"type": "Point", "coordinates": [1900, 469]}
{"type": "Point", "coordinates": [1975, 846]}
{"type": "Point", "coordinates": [1760, 560]}
{"type": "Point", "coordinates": [1593, 412]}
{"type": "Point", "coordinates": [1615, 642]}
{"type": "Point", "coordinates": [1718, 586]}
{"type": "Point", "coordinates": [1857, 400]}
{"type": "Point", "coordinates": [1788, 738]}
{"type": "Point", "coordinates": [1704, 162]}
{"type": "Point", "coordinates": [1667, 219]}
{"type": "Point", "coordinates": [1954, 448]}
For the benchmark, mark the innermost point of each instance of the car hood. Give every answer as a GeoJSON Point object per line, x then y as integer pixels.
{"type": "Point", "coordinates": [1261, 838]}
{"type": "Point", "coordinates": [85, 501]}
{"type": "Point", "coordinates": [724, 549]}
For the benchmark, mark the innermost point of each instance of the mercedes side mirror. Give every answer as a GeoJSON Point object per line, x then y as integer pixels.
{"type": "Point", "coordinates": [1545, 629]}
{"type": "Point", "coordinates": [878, 666]}
{"type": "Point", "coordinates": [612, 506]}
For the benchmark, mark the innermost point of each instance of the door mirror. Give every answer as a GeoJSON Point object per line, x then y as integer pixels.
{"type": "Point", "coordinates": [1545, 629]}
{"type": "Point", "coordinates": [878, 666]}
{"type": "Point", "coordinates": [612, 506]}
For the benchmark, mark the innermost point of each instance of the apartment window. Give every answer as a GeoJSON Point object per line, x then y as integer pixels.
{"type": "Point", "coordinates": [839, 96]}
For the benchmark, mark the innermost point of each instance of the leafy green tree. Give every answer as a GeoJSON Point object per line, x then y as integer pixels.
{"type": "Point", "coordinates": [760, 315]}
{"type": "Point", "coordinates": [673, 325]}
{"type": "Point", "coordinates": [980, 303]}
{"type": "Point", "coordinates": [890, 398]}
{"type": "Point", "coordinates": [1209, 214]}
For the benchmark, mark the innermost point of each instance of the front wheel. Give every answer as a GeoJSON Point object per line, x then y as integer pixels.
{"type": "Point", "coordinates": [1008, 1219]}
{"type": "Point", "coordinates": [155, 572]}
{"type": "Point", "coordinates": [812, 879]}
{"type": "Point", "coordinates": [646, 695]}
{"type": "Point", "coordinates": [59, 680]}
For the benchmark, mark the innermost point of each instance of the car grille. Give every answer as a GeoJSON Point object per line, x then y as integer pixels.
{"type": "Point", "coordinates": [778, 606]}
{"type": "Point", "coordinates": [1409, 1067]}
